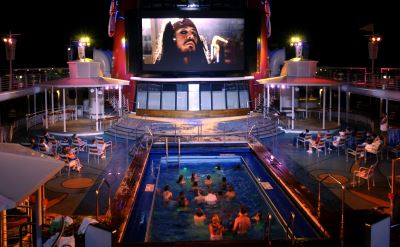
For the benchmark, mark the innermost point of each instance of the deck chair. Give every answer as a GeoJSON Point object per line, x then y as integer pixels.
{"type": "Point", "coordinates": [365, 173]}
{"type": "Point", "coordinates": [306, 139]}
{"type": "Point", "coordinates": [356, 153]}
{"type": "Point", "coordinates": [64, 158]}
{"type": "Point", "coordinates": [341, 144]}
{"type": "Point", "coordinates": [79, 145]}
{"type": "Point", "coordinates": [100, 140]}
{"type": "Point", "coordinates": [93, 150]}
{"type": "Point", "coordinates": [321, 145]}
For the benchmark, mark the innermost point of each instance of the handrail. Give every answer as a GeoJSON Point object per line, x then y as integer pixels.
{"type": "Point", "coordinates": [280, 218]}
{"type": "Point", "coordinates": [20, 230]}
{"type": "Point", "coordinates": [152, 207]}
{"type": "Point", "coordinates": [267, 226]}
{"type": "Point", "coordinates": [251, 129]}
{"type": "Point", "coordinates": [55, 243]}
{"type": "Point", "coordinates": [343, 187]}
{"type": "Point", "coordinates": [97, 196]}
{"type": "Point", "coordinates": [394, 199]}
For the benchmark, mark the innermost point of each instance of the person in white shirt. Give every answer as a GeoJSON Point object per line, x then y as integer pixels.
{"type": "Point", "coordinates": [210, 198]}
{"type": "Point", "coordinates": [384, 125]}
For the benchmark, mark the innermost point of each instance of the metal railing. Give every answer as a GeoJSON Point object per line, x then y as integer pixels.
{"type": "Point", "coordinates": [25, 78]}
{"type": "Point", "coordinates": [343, 187]}
{"type": "Point", "coordinates": [385, 78]}
{"type": "Point", "coordinates": [103, 181]}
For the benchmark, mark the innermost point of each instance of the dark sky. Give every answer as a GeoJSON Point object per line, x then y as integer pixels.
{"type": "Point", "coordinates": [331, 29]}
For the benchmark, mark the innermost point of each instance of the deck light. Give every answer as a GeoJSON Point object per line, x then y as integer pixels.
{"type": "Point", "coordinates": [373, 43]}
{"type": "Point", "coordinates": [297, 42]}
{"type": "Point", "coordinates": [82, 44]}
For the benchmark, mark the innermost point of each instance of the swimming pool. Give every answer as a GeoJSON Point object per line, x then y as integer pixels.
{"type": "Point", "coordinates": [154, 220]}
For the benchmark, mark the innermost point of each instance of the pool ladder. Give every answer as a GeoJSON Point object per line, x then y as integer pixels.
{"type": "Point", "coordinates": [179, 150]}
{"type": "Point", "coordinates": [289, 228]}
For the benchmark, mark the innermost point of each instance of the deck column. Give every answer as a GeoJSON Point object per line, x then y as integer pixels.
{"type": "Point", "coordinates": [34, 103]}
{"type": "Point", "coordinates": [338, 106]}
{"type": "Point", "coordinates": [306, 102]}
{"type": "Point", "coordinates": [120, 100]}
{"type": "Point", "coordinates": [76, 104]}
{"type": "Point", "coordinates": [64, 112]}
{"type": "Point", "coordinates": [330, 103]}
{"type": "Point", "coordinates": [46, 114]}
{"type": "Point", "coordinates": [52, 104]}
{"type": "Point", "coordinates": [38, 213]}
{"type": "Point", "coordinates": [268, 99]}
{"type": "Point", "coordinates": [387, 106]}
{"type": "Point", "coordinates": [347, 106]}
{"type": "Point", "coordinates": [264, 100]}
{"type": "Point", "coordinates": [323, 108]}
{"type": "Point", "coordinates": [3, 233]}
{"type": "Point", "coordinates": [292, 107]}
{"type": "Point", "coordinates": [97, 109]}
{"type": "Point", "coordinates": [280, 99]}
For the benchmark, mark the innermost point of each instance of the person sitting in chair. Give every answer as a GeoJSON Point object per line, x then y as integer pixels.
{"type": "Point", "coordinates": [73, 161]}
{"type": "Point", "coordinates": [314, 143]}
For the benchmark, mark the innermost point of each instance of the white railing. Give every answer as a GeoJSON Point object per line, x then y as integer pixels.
{"type": "Point", "coordinates": [25, 78]}
{"type": "Point", "coordinates": [37, 118]}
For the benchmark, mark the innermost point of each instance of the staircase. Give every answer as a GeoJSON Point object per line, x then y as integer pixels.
{"type": "Point", "coordinates": [264, 127]}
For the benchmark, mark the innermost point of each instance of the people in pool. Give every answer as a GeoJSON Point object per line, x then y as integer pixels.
{"type": "Point", "coordinates": [182, 200]}
{"type": "Point", "coordinates": [167, 194]}
{"type": "Point", "coordinates": [181, 180]}
{"type": "Point", "coordinates": [208, 182]}
{"type": "Point", "coordinates": [211, 198]}
{"type": "Point", "coordinates": [257, 217]}
{"type": "Point", "coordinates": [194, 178]}
{"type": "Point", "coordinates": [230, 194]}
{"type": "Point", "coordinates": [195, 188]}
{"type": "Point", "coordinates": [216, 228]}
{"type": "Point", "coordinates": [224, 184]}
{"type": "Point", "coordinates": [242, 223]}
{"type": "Point", "coordinates": [199, 217]}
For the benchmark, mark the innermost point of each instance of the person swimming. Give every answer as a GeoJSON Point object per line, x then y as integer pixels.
{"type": "Point", "coordinates": [216, 228]}
{"type": "Point", "coordinates": [182, 200]}
{"type": "Point", "coordinates": [230, 194]}
{"type": "Point", "coordinates": [194, 178]}
{"type": "Point", "coordinates": [257, 217]}
{"type": "Point", "coordinates": [199, 217]}
{"type": "Point", "coordinates": [208, 182]}
{"type": "Point", "coordinates": [181, 180]}
{"type": "Point", "coordinates": [167, 194]}
{"type": "Point", "coordinates": [224, 184]}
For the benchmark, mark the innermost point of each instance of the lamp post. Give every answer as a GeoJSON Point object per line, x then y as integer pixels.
{"type": "Point", "coordinates": [298, 44]}
{"type": "Point", "coordinates": [373, 51]}
{"type": "Point", "coordinates": [10, 43]}
{"type": "Point", "coordinates": [83, 42]}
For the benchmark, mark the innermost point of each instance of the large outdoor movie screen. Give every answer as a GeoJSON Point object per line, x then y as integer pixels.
{"type": "Point", "coordinates": [193, 44]}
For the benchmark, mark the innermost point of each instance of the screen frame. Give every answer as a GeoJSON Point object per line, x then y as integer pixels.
{"type": "Point", "coordinates": [134, 50]}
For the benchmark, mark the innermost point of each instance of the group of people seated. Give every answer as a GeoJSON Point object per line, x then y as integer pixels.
{"type": "Point", "coordinates": [204, 195]}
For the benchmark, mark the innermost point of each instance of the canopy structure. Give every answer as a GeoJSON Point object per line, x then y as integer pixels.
{"type": "Point", "coordinates": [286, 81]}
{"type": "Point", "coordinates": [23, 172]}
{"type": "Point", "coordinates": [289, 81]}
{"type": "Point", "coordinates": [90, 82]}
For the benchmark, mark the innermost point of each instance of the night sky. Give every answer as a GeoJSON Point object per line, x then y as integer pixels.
{"type": "Point", "coordinates": [331, 29]}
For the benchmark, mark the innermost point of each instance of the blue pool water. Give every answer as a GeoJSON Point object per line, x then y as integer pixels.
{"type": "Point", "coordinates": [167, 222]}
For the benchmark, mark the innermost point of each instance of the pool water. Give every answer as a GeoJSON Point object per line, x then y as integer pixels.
{"type": "Point", "coordinates": [152, 220]}
{"type": "Point", "coordinates": [172, 223]}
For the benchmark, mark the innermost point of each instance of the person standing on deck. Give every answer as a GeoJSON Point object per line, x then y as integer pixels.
{"type": "Point", "coordinates": [384, 126]}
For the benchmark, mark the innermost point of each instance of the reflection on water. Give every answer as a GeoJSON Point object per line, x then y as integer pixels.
{"type": "Point", "coordinates": [171, 223]}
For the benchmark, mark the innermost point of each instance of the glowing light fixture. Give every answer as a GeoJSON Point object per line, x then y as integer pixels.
{"type": "Point", "coordinates": [297, 42]}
